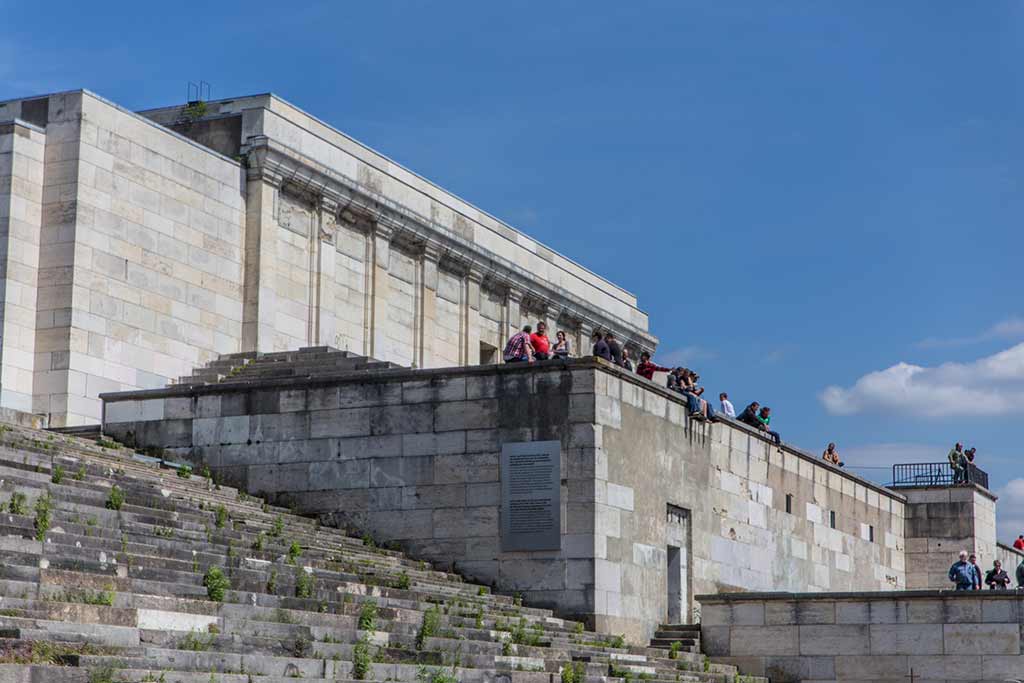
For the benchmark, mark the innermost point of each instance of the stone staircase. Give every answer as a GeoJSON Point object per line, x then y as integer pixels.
{"type": "Point", "coordinates": [115, 569]}
{"type": "Point", "coordinates": [312, 360]}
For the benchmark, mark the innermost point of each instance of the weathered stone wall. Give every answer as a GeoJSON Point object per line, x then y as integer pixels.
{"type": "Point", "coordinates": [22, 148]}
{"type": "Point", "coordinates": [413, 456]}
{"type": "Point", "coordinates": [152, 253]}
{"type": "Point", "coordinates": [891, 636]}
{"type": "Point", "coordinates": [1010, 557]}
{"type": "Point", "coordinates": [940, 522]}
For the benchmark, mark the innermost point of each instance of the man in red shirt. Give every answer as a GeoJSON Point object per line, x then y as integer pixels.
{"type": "Point", "coordinates": [540, 342]}
{"type": "Point", "coordinates": [1019, 543]}
{"type": "Point", "coordinates": [647, 369]}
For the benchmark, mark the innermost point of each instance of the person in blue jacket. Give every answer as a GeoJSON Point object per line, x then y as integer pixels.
{"type": "Point", "coordinates": [962, 573]}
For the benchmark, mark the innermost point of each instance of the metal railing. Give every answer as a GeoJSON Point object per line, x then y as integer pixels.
{"type": "Point", "coordinates": [934, 474]}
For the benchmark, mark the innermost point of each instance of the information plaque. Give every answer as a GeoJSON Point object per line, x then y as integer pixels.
{"type": "Point", "coordinates": [531, 496]}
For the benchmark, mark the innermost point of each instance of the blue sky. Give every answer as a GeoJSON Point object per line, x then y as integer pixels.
{"type": "Point", "coordinates": [818, 203]}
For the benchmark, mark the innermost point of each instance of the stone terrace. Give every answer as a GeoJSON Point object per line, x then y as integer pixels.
{"type": "Point", "coordinates": [104, 558]}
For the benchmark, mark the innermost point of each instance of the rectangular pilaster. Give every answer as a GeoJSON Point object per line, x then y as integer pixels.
{"type": "Point", "coordinates": [259, 296]}
{"type": "Point", "coordinates": [428, 307]}
{"type": "Point", "coordinates": [377, 292]}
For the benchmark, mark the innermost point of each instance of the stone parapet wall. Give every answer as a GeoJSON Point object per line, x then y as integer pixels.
{"type": "Point", "coordinates": [886, 636]}
{"type": "Point", "coordinates": [413, 457]}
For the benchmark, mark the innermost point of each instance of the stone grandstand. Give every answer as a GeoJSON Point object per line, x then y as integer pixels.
{"type": "Point", "coordinates": [110, 570]}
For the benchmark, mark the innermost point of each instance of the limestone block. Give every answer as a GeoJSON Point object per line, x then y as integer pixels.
{"type": "Point", "coordinates": [341, 423]}
{"type": "Point", "coordinates": [620, 496]}
{"type": "Point", "coordinates": [782, 669]}
{"type": "Point", "coordinates": [465, 522]}
{"type": "Point", "coordinates": [464, 415]}
{"type": "Point", "coordinates": [376, 394]}
{"type": "Point", "coordinates": [871, 667]}
{"type": "Point", "coordinates": [435, 389]}
{"type": "Point", "coordinates": [984, 639]}
{"type": "Point", "coordinates": [533, 574]}
{"type": "Point", "coordinates": [906, 639]}
{"type": "Point", "coordinates": [1001, 611]}
{"type": "Point", "coordinates": [815, 612]}
{"type": "Point", "coordinates": [778, 612]}
{"type": "Point", "coordinates": [433, 444]}
{"type": "Point", "coordinates": [757, 640]}
{"type": "Point", "coordinates": [748, 614]}
{"type": "Point", "coordinates": [404, 471]}
{"type": "Point", "coordinates": [825, 640]}
{"type": "Point", "coordinates": [488, 494]}
{"type": "Point", "coordinates": [350, 448]}
{"type": "Point", "coordinates": [1001, 668]}
{"type": "Point", "coordinates": [475, 467]}
{"type": "Point", "coordinates": [344, 474]}
{"type": "Point", "coordinates": [220, 430]}
{"type": "Point", "coordinates": [715, 640]}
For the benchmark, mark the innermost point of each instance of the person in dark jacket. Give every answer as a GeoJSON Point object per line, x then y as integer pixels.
{"type": "Point", "coordinates": [997, 579]}
{"type": "Point", "coordinates": [614, 348]}
{"type": "Point", "coordinates": [962, 573]}
{"type": "Point", "coordinates": [977, 572]}
{"type": "Point", "coordinates": [601, 349]}
{"type": "Point", "coordinates": [1020, 574]}
{"type": "Point", "coordinates": [749, 415]}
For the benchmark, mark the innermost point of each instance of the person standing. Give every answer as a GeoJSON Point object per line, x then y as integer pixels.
{"type": "Point", "coordinates": [997, 579]}
{"type": "Point", "coordinates": [601, 349]}
{"type": "Point", "coordinates": [723, 399]}
{"type": "Point", "coordinates": [962, 573]}
{"type": "Point", "coordinates": [1020, 574]}
{"type": "Point", "coordinates": [955, 458]}
{"type": "Point", "coordinates": [626, 362]}
{"type": "Point", "coordinates": [540, 342]}
{"type": "Point", "coordinates": [646, 368]}
{"type": "Point", "coordinates": [614, 348]}
{"type": "Point", "coordinates": [977, 571]}
{"type": "Point", "coordinates": [1019, 543]}
{"type": "Point", "coordinates": [562, 348]}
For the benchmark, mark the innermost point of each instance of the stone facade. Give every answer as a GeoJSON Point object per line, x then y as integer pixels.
{"type": "Point", "coordinates": [888, 636]}
{"type": "Point", "coordinates": [137, 247]}
{"type": "Point", "coordinates": [941, 521]}
{"type": "Point", "coordinates": [655, 507]}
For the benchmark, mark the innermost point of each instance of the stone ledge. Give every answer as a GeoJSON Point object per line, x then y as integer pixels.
{"type": "Point", "coordinates": [1016, 594]}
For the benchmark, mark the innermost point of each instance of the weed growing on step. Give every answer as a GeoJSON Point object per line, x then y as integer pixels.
{"type": "Point", "coordinates": [204, 471]}
{"type": "Point", "coordinates": [429, 625]}
{"type": "Point", "coordinates": [18, 504]}
{"type": "Point", "coordinates": [506, 648]}
{"type": "Point", "coordinates": [478, 618]}
{"type": "Point", "coordinates": [707, 664]}
{"type": "Point", "coordinates": [216, 583]}
{"type": "Point", "coordinates": [258, 543]}
{"type": "Point", "coordinates": [80, 472]}
{"type": "Point", "coordinates": [517, 599]}
{"type": "Point", "coordinates": [194, 643]}
{"type": "Point", "coordinates": [618, 641]}
{"type": "Point", "coordinates": [300, 648]}
{"type": "Point", "coordinates": [578, 628]}
{"type": "Point", "coordinates": [278, 527]}
{"type": "Point", "coordinates": [573, 672]}
{"type": "Point", "coordinates": [103, 674]}
{"type": "Point", "coordinates": [44, 512]}
{"type": "Point", "coordinates": [403, 581]}
{"type": "Point", "coordinates": [282, 617]}
{"type": "Point", "coordinates": [529, 637]}
{"type": "Point", "coordinates": [220, 516]}
{"type": "Point", "coordinates": [303, 584]}
{"type": "Point", "coordinates": [115, 499]}
{"type": "Point", "coordinates": [103, 442]}
{"type": "Point", "coordinates": [434, 675]}
{"type": "Point", "coordinates": [294, 551]}
{"type": "Point", "coordinates": [362, 662]}
{"type": "Point", "coordinates": [163, 531]}
{"type": "Point", "coordinates": [673, 651]}
{"type": "Point", "coordinates": [272, 582]}
{"type": "Point", "coordinates": [368, 616]}
{"type": "Point", "coordinates": [195, 562]}
{"type": "Point", "coordinates": [368, 541]}
{"type": "Point", "coordinates": [185, 472]}
{"type": "Point", "coordinates": [481, 591]}
{"type": "Point", "coordinates": [57, 474]}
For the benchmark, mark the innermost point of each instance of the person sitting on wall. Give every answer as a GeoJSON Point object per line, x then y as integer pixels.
{"type": "Point", "coordinates": [672, 381]}
{"type": "Point", "coordinates": [519, 348]}
{"type": "Point", "coordinates": [749, 415]}
{"type": "Point", "coordinates": [723, 399]}
{"type": "Point", "coordinates": [614, 348]}
{"type": "Point", "coordinates": [601, 349]}
{"type": "Point", "coordinates": [540, 342]}
{"type": "Point", "coordinates": [699, 408]}
{"type": "Point", "coordinates": [765, 418]}
{"type": "Point", "coordinates": [646, 368]}
{"type": "Point", "coordinates": [955, 458]}
{"type": "Point", "coordinates": [977, 571]}
{"type": "Point", "coordinates": [561, 349]}
{"type": "Point", "coordinates": [626, 362]}
{"type": "Point", "coordinates": [1019, 543]}
{"type": "Point", "coordinates": [831, 455]}
{"type": "Point", "coordinates": [962, 573]}
{"type": "Point", "coordinates": [997, 579]}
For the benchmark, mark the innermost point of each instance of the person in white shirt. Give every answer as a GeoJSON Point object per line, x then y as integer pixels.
{"type": "Point", "coordinates": [726, 405]}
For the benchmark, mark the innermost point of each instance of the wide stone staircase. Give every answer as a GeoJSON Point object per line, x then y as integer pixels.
{"type": "Point", "coordinates": [312, 360]}
{"type": "Point", "coordinates": [116, 569]}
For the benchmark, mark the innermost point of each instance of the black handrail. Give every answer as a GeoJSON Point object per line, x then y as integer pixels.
{"type": "Point", "coordinates": [935, 474]}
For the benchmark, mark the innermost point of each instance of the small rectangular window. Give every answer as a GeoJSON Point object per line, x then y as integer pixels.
{"type": "Point", "coordinates": [871, 533]}
{"type": "Point", "coordinates": [832, 518]}
{"type": "Point", "coordinates": [789, 503]}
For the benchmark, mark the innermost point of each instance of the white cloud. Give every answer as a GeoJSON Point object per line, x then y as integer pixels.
{"type": "Point", "coordinates": [684, 356]}
{"type": "Point", "coordinates": [992, 385]}
{"type": "Point", "coordinates": [1010, 511]}
{"type": "Point", "coordinates": [1010, 328]}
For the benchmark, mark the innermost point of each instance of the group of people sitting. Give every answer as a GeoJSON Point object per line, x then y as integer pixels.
{"type": "Point", "coordinates": [527, 346]}
{"type": "Point", "coordinates": [961, 461]}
